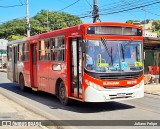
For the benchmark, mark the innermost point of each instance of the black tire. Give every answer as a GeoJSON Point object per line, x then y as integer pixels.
{"type": "Point", "coordinates": [62, 95]}
{"type": "Point", "coordinates": [21, 83]}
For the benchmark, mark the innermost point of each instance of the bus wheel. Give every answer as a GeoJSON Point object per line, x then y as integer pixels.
{"type": "Point", "coordinates": [21, 83]}
{"type": "Point", "coordinates": [62, 94]}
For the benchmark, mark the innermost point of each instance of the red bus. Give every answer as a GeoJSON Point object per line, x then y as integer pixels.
{"type": "Point", "coordinates": [97, 62]}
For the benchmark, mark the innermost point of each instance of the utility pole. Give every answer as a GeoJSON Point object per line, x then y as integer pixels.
{"type": "Point", "coordinates": [27, 19]}
{"type": "Point", "coordinates": [95, 12]}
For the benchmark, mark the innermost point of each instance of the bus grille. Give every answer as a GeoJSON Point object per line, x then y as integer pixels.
{"type": "Point", "coordinates": [117, 87]}
{"type": "Point", "coordinates": [128, 95]}
{"type": "Point", "coordinates": [116, 76]}
{"type": "Point", "coordinates": [120, 77]}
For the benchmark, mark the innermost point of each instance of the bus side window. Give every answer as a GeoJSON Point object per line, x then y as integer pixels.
{"type": "Point", "coordinates": [9, 53]}
{"type": "Point", "coordinates": [25, 51]}
{"type": "Point", "coordinates": [44, 50]}
{"type": "Point", "coordinates": [57, 49]}
{"type": "Point", "coordinates": [47, 49]}
{"type": "Point", "coordinates": [20, 54]}
{"type": "Point", "coordinates": [52, 46]}
{"type": "Point", "coordinates": [61, 47]}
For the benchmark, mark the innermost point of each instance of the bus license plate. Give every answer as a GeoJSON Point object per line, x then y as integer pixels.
{"type": "Point", "coordinates": [121, 94]}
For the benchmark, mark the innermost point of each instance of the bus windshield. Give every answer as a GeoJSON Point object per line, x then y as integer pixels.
{"type": "Point", "coordinates": [113, 56]}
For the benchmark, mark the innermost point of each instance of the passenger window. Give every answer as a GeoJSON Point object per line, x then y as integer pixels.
{"type": "Point", "coordinates": [57, 49]}
{"type": "Point", "coordinates": [20, 54]}
{"type": "Point", "coordinates": [51, 49]}
{"type": "Point", "coordinates": [25, 51]}
{"type": "Point", "coordinates": [44, 50]}
{"type": "Point", "coordinates": [52, 44]}
{"type": "Point", "coordinates": [9, 53]}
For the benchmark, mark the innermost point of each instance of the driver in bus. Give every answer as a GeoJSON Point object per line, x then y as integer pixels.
{"type": "Point", "coordinates": [89, 62]}
{"type": "Point", "coordinates": [89, 58]}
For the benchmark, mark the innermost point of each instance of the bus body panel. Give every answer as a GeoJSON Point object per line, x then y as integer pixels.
{"type": "Point", "coordinates": [45, 74]}
{"type": "Point", "coordinates": [25, 69]}
{"type": "Point", "coordinates": [10, 70]}
{"type": "Point", "coordinates": [93, 95]}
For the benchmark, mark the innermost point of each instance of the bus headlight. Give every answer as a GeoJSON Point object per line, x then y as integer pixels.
{"type": "Point", "coordinates": [95, 86]}
{"type": "Point", "coordinates": [140, 84]}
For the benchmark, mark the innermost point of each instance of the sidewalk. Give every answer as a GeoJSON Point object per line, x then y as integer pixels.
{"type": "Point", "coordinates": [152, 89]}
{"type": "Point", "coordinates": [10, 110]}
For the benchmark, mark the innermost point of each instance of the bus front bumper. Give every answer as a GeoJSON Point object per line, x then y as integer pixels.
{"type": "Point", "coordinates": [93, 95]}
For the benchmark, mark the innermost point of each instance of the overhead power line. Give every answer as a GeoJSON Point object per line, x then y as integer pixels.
{"type": "Point", "coordinates": [68, 6]}
{"type": "Point", "coordinates": [150, 12]}
{"type": "Point", "coordinates": [12, 6]}
{"type": "Point", "coordinates": [132, 8]}
{"type": "Point", "coordinates": [118, 7]}
{"type": "Point", "coordinates": [124, 1]}
{"type": "Point", "coordinates": [129, 3]}
{"type": "Point", "coordinates": [89, 3]}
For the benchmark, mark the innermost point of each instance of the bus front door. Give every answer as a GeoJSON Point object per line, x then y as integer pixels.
{"type": "Point", "coordinates": [76, 68]}
{"type": "Point", "coordinates": [34, 64]}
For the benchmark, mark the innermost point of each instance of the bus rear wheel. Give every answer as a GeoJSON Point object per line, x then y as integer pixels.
{"type": "Point", "coordinates": [21, 83]}
{"type": "Point", "coordinates": [63, 95]}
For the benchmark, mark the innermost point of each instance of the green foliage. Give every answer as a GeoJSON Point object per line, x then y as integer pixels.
{"type": "Point", "coordinates": [15, 37]}
{"type": "Point", "coordinates": [145, 21]}
{"type": "Point", "coordinates": [136, 21]}
{"type": "Point", "coordinates": [14, 27]}
{"type": "Point", "coordinates": [44, 21]}
{"type": "Point", "coordinates": [156, 25]}
{"type": "Point", "coordinates": [129, 21]}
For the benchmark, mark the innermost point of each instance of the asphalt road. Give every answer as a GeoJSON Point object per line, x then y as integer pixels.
{"type": "Point", "coordinates": [147, 108]}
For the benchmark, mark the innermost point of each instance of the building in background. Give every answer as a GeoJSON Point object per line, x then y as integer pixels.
{"type": "Point", "coordinates": [151, 49]}
{"type": "Point", "coordinates": [3, 53]}
{"type": "Point", "coordinates": [148, 30]}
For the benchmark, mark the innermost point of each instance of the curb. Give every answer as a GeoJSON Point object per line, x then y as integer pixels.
{"type": "Point", "coordinates": [3, 70]}
{"type": "Point", "coordinates": [35, 110]}
{"type": "Point", "coordinates": [158, 94]}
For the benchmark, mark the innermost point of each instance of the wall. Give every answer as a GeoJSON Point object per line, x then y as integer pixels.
{"type": "Point", "coordinates": [152, 58]}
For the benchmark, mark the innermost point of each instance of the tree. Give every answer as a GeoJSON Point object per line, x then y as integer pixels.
{"type": "Point", "coordinates": [156, 23]}
{"type": "Point", "coordinates": [145, 21]}
{"type": "Point", "coordinates": [15, 37]}
{"type": "Point", "coordinates": [129, 21]}
{"type": "Point", "coordinates": [136, 21]}
{"type": "Point", "coordinates": [43, 21]}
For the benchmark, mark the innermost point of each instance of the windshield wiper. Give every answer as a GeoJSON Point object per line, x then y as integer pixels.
{"type": "Point", "coordinates": [122, 52]}
{"type": "Point", "coordinates": [123, 48]}
{"type": "Point", "coordinates": [104, 42]}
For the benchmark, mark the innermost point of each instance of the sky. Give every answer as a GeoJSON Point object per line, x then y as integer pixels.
{"type": "Point", "coordinates": [109, 10]}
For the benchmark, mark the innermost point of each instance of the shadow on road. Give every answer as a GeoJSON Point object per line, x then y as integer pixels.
{"type": "Point", "coordinates": [53, 103]}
